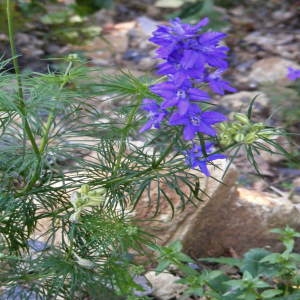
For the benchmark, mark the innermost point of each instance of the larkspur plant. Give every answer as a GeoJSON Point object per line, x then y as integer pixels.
{"type": "Point", "coordinates": [71, 172]}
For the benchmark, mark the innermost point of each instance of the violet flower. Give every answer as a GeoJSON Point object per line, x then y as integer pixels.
{"type": "Point", "coordinates": [195, 158]}
{"type": "Point", "coordinates": [195, 120]}
{"type": "Point", "coordinates": [217, 84]}
{"type": "Point", "coordinates": [179, 95]}
{"type": "Point", "coordinates": [293, 74]}
{"type": "Point", "coordinates": [155, 114]}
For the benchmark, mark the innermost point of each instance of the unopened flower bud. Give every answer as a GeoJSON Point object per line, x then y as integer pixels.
{"type": "Point", "coordinates": [85, 188]}
{"type": "Point", "coordinates": [225, 139]}
{"type": "Point", "coordinates": [267, 133]}
{"type": "Point", "coordinates": [242, 118]}
{"type": "Point", "coordinates": [239, 138]}
{"type": "Point", "coordinates": [131, 230]}
{"type": "Point", "coordinates": [72, 57]}
{"type": "Point", "coordinates": [223, 126]}
{"type": "Point", "coordinates": [236, 126]}
{"type": "Point", "coordinates": [74, 199]}
{"type": "Point", "coordinates": [250, 138]}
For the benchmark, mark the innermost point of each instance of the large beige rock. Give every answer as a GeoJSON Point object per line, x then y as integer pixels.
{"type": "Point", "coordinates": [228, 220]}
{"type": "Point", "coordinates": [240, 221]}
{"type": "Point", "coordinates": [181, 226]}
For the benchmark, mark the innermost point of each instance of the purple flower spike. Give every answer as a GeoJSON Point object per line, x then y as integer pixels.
{"type": "Point", "coordinates": [191, 58]}
{"type": "Point", "coordinates": [155, 114]}
{"type": "Point", "coordinates": [195, 121]}
{"type": "Point", "coordinates": [195, 157]}
{"type": "Point", "coordinates": [293, 74]}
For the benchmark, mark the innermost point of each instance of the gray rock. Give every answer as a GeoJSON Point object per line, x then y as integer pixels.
{"type": "Point", "coordinates": [20, 293]}
{"type": "Point", "coordinates": [240, 101]}
{"type": "Point", "coordinates": [271, 69]}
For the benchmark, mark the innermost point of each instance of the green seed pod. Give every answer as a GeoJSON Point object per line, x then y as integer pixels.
{"type": "Point", "coordinates": [239, 138]}
{"type": "Point", "coordinates": [242, 118]}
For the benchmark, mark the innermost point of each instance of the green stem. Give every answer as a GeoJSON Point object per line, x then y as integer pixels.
{"type": "Point", "coordinates": [19, 80]}
{"type": "Point", "coordinates": [164, 154]}
{"type": "Point", "coordinates": [51, 116]}
{"type": "Point", "coordinates": [45, 136]}
{"type": "Point", "coordinates": [125, 133]}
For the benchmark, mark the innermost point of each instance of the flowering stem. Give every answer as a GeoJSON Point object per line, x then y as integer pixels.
{"type": "Point", "coordinates": [21, 99]}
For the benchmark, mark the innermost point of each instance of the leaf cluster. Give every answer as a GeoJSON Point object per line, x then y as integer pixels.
{"type": "Point", "coordinates": [261, 274]}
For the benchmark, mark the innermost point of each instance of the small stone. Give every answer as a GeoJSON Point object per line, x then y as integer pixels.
{"type": "Point", "coordinates": [147, 25]}
{"type": "Point", "coordinates": [146, 64]}
{"type": "Point", "coordinates": [240, 101]}
{"type": "Point", "coordinates": [143, 282]}
{"type": "Point", "coordinates": [37, 245]}
{"type": "Point", "coordinates": [3, 37]}
{"type": "Point", "coordinates": [164, 285]}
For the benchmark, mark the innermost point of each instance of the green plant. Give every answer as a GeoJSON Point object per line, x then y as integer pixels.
{"type": "Point", "coordinates": [71, 176]}
{"type": "Point", "coordinates": [263, 274]}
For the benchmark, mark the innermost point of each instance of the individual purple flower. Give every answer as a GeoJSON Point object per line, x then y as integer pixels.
{"type": "Point", "coordinates": [155, 114]}
{"type": "Point", "coordinates": [205, 50]}
{"type": "Point", "coordinates": [217, 84]}
{"type": "Point", "coordinates": [178, 74]}
{"type": "Point", "coordinates": [195, 120]}
{"type": "Point", "coordinates": [197, 158]}
{"type": "Point", "coordinates": [179, 96]}
{"type": "Point", "coordinates": [293, 74]}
